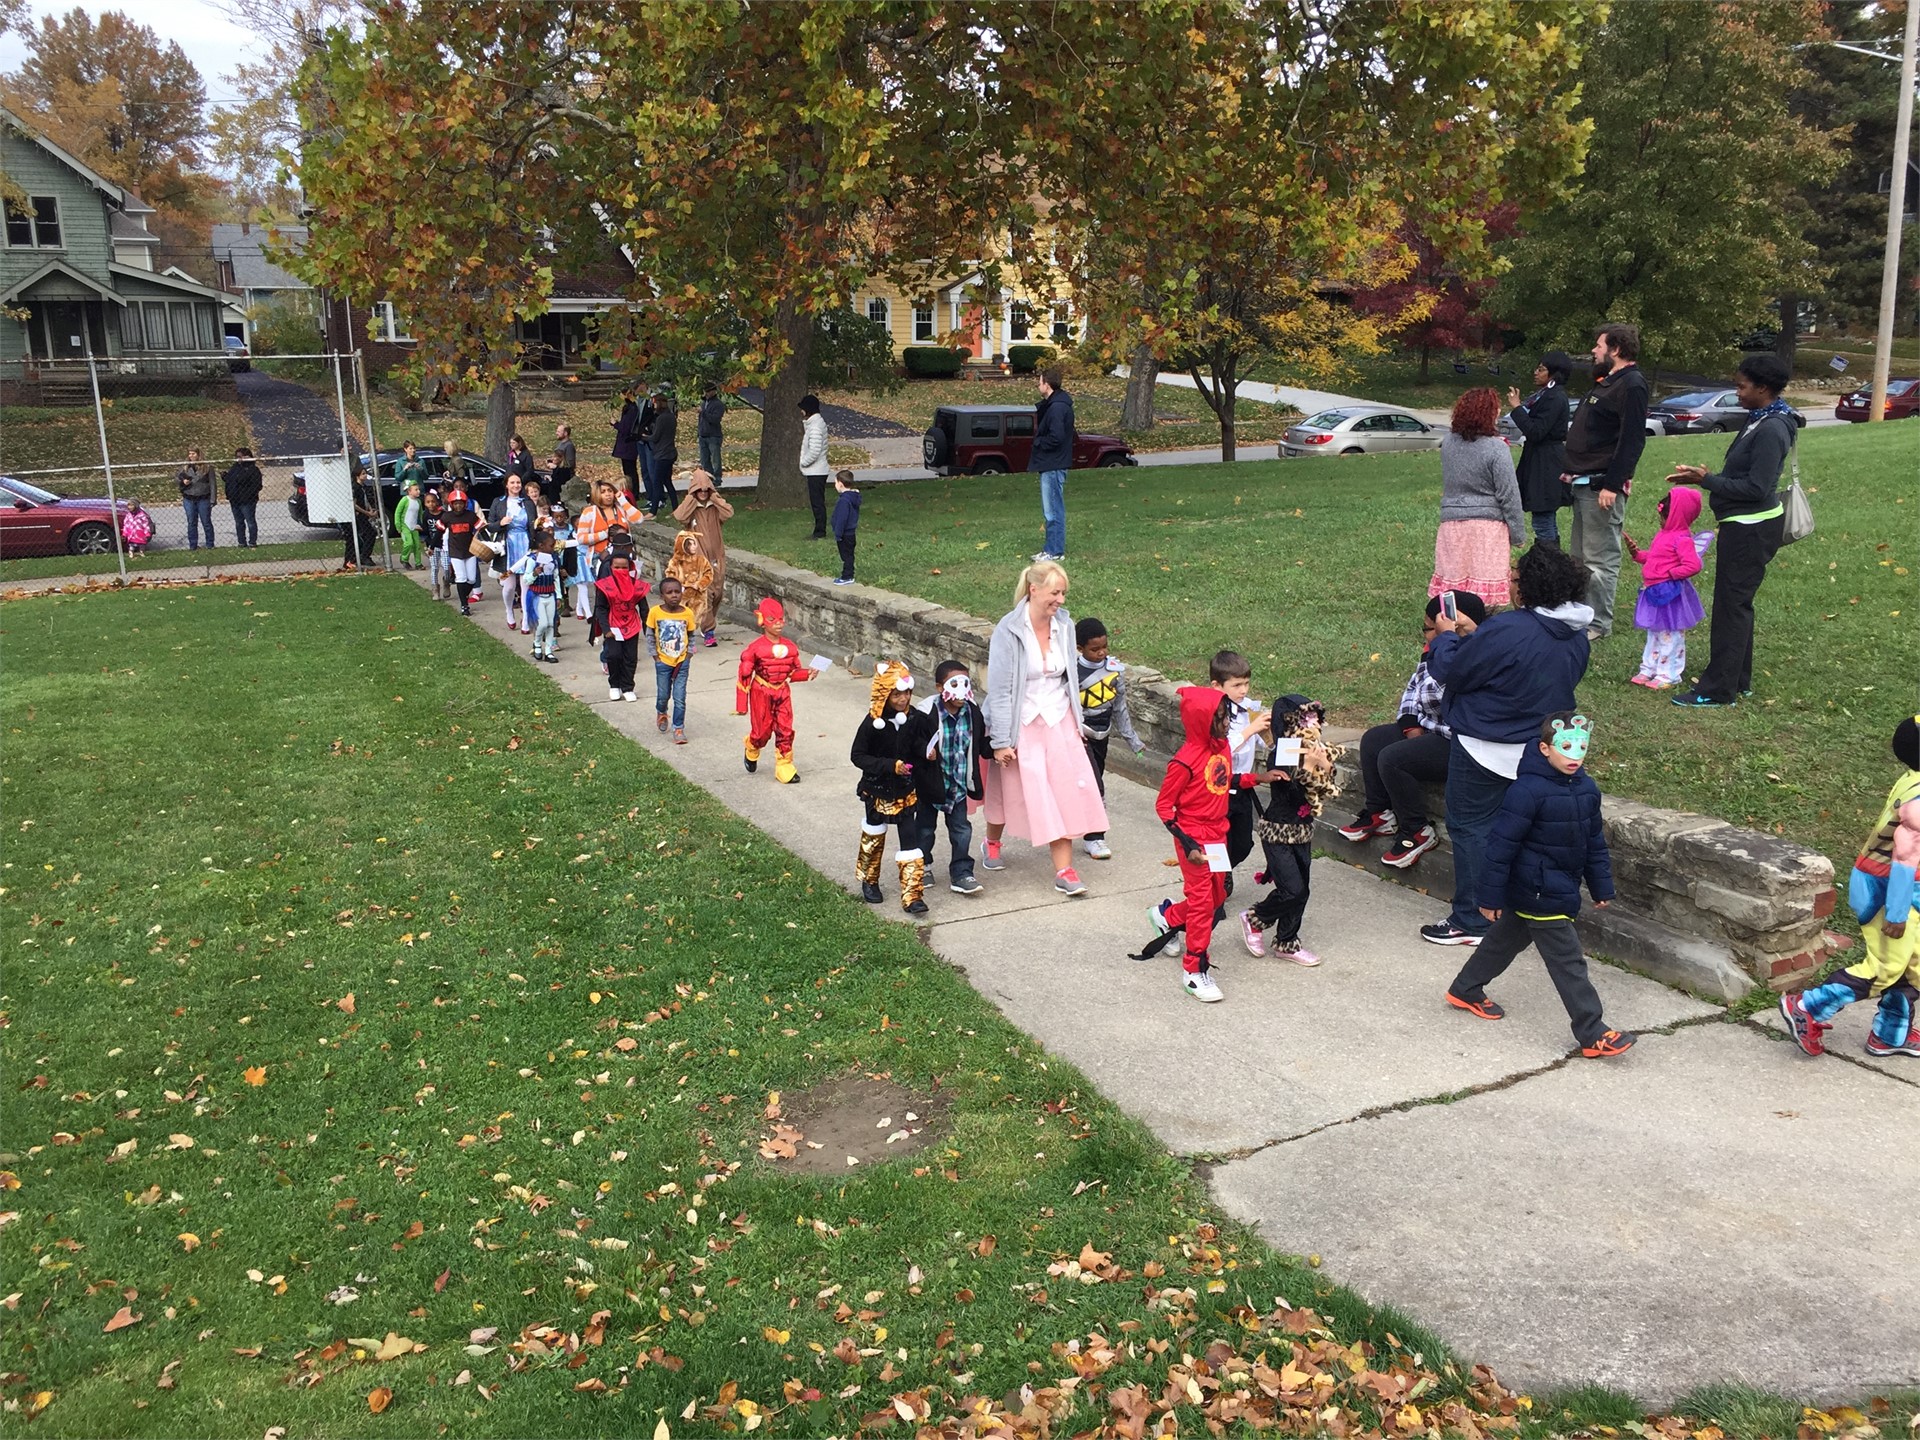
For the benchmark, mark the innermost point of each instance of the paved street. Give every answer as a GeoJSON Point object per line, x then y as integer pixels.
{"type": "Point", "coordinates": [1702, 1209]}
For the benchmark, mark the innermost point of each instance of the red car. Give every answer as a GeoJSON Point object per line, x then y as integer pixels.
{"type": "Point", "coordinates": [998, 439]}
{"type": "Point", "coordinates": [1903, 402]}
{"type": "Point", "coordinates": [38, 522]}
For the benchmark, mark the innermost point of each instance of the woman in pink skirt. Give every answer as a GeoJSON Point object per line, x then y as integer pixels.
{"type": "Point", "coordinates": [1041, 785]}
{"type": "Point", "coordinates": [1481, 521]}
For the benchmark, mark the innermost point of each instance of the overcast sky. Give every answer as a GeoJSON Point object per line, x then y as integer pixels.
{"type": "Point", "coordinates": [212, 41]}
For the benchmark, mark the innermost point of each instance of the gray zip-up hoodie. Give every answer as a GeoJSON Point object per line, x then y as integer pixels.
{"type": "Point", "coordinates": [1007, 673]}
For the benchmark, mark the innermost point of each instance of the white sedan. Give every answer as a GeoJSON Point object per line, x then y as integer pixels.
{"type": "Point", "coordinates": [1360, 430]}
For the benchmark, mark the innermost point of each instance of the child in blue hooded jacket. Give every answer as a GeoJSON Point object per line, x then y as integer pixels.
{"type": "Point", "coordinates": [1546, 839]}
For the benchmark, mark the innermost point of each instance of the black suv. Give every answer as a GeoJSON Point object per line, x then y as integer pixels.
{"type": "Point", "coordinates": [486, 482]}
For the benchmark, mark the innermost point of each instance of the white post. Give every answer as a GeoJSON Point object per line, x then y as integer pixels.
{"type": "Point", "coordinates": [1896, 204]}
{"type": "Point", "coordinates": [106, 456]}
{"type": "Point", "coordinates": [346, 449]}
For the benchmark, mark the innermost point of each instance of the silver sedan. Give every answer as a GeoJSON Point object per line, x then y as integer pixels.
{"type": "Point", "coordinates": [1360, 430]}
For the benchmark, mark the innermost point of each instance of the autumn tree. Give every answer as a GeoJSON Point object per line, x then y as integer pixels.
{"type": "Point", "coordinates": [1450, 304]}
{"type": "Point", "coordinates": [1689, 216]}
{"type": "Point", "coordinates": [1220, 174]}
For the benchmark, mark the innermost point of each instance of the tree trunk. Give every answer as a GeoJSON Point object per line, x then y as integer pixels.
{"type": "Point", "coordinates": [1789, 335]}
{"type": "Point", "coordinates": [781, 485]}
{"type": "Point", "coordinates": [1426, 357]}
{"type": "Point", "coordinates": [1229, 390]}
{"type": "Point", "coordinates": [500, 421]}
{"type": "Point", "coordinates": [1143, 373]}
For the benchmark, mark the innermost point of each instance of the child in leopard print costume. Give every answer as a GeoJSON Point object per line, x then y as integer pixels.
{"type": "Point", "coordinates": [1285, 831]}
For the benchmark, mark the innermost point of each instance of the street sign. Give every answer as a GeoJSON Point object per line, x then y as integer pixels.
{"type": "Point", "coordinates": [1838, 362]}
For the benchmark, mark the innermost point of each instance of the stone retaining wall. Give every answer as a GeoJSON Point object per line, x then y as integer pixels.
{"type": "Point", "coordinates": [1701, 904]}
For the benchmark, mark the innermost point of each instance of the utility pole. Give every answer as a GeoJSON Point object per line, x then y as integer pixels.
{"type": "Point", "coordinates": [1896, 206]}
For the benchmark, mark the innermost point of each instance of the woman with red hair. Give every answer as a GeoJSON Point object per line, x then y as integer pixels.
{"type": "Point", "coordinates": [1480, 516]}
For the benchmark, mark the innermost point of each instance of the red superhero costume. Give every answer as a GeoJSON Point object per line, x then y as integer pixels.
{"type": "Point", "coordinates": [1193, 807]}
{"type": "Point", "coordinates": [769, 667]}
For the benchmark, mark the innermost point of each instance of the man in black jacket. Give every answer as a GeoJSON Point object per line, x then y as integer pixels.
{"type": "Point", "coordinates": [1052, 457]}
{"type": "Point", "coordinates": [1604, 442]}
{"type": "Point", "coordinates": [713, 415]}
{"type": "Point", "coordinates": [1746, 500]}
{"type": "Point", "coordinates": [242, 483]}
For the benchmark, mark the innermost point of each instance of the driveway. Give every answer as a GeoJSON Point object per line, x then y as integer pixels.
{"type": "Point", "coordinates": [287, 419]}
{"type": "Point", "coordinates": [842, 423]}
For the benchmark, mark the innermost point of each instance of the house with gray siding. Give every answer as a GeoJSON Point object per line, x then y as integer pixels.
{"type": "Point", "coordinates": [77, 273]}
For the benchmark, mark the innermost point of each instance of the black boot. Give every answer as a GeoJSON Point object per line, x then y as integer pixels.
{"type": "Point", "coordinates": [870, 892]}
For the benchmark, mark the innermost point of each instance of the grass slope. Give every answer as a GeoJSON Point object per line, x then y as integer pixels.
{"type": "Point", "coordinates": [1317, 569]}
{"type": "Point", "coordinates": [361, 982]}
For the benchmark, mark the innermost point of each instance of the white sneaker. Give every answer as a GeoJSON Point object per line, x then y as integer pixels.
{"type": "Point", "coordinates": [1157, 913]}
{"type": "Point", "coordinates": [630, 697]}
{"type": "Point", "coordinates": [1250, 935]}
{"type": "Point", "coordinates": [613, 692]}
{"type": "Point", "coordinates": [1099, 850]}
{"type": "Point", "coordinates": [1202, 988]}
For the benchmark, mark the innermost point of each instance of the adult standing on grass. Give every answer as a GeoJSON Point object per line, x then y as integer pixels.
{"type": "Point", "coordinates": [1745, 497]}
{"type": "Point", "coordinates": [243, 483]}
{"type": "Point", "coordinates": [196, 497]}
{"type": "Point", "coordinates": [1052, 457]}
{"type": "Point", "coordinates": [703, 514]}
{"type": "Point", "coordinates": [566, 460]}
{"type": "Point", "coordinates": [713, 415]}
{"type": "Point", "coordinates": [1542, 417]}
{"type": "Point", "coordinates": [1502, 681]}
{"type": "Point", "coordinates": [1481, 522]}
{"type": "Point", "coordinates": [626, 440]}
{"type": "Point", "coordinates": [1604, 441]}
{"type": "Point", "coordinates": [1041, 785]}
{"type": "Point", "coordinates": [813, 461]}
{"type": "Point", "coordinates": [663, 444]}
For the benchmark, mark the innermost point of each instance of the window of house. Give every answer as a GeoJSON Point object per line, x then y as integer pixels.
{"type": "Point", "coordinates": [385, 324]}
{"type": "Point", "coordinates": [35, 224]}
{"type": "Point", "coordinates": [878, 312]}
{"type": "Point", "coordinates": [922, 323]}
{"type": "Point", "coordinates": [130, 336]}
{"type": "Point", "coordinates": [1019, 323]}
{"type": "Point", "coordinates": [1062, 322]}
{"type": "Point", "coordinates": [180, 312]}
{"type": "Point", "coordinates": [207, 332]}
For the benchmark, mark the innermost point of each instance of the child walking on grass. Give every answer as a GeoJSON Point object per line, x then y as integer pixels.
{"type": "Point", "coordinates": [1103, 711]}
{"type": "Point", "coordinates": [1881, 891]}
{"type": "Point", "coordinates": [1300, 791]}
{"type": "Point", "coordinates": [1669, 606]}
{"type": "Point", "coordinates": [1546, 839]}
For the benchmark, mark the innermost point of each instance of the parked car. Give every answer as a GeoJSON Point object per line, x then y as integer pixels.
{"type": "Point", "coordinates": [38, 522]}
{"type": "Point", "coordinates": [998, 439]}
{"type": "Point", "coordinates": [238, 356]}
{"type": "Point", "coordinates": [1903, 402]}
{"type": "Point", "coordinates": [1360, 430]}
{"type": "Point", "coordinates": [486, 481]}
{"type": "Point", "coordinates": [1701, 412]}
{"type": "Point", "coordinates": [1656, 425]}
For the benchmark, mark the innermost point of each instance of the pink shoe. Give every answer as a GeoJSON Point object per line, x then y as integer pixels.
{"type": "Point", "coordinates": [1068, 882]}
{"type": "Point", "coordinates": [1641, 680]}
{"type": "Point", "coordinates": [1250, 935]}
{"type": "Point", "coordinates": [1296, 952]}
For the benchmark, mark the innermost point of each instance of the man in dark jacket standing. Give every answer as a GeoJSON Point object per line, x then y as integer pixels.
{"type": "Point", "coordinates": [1542, 418]}
{"type": "Point", "coordinates": [1604, 442]}
{"type": "Point", "coordinates": [713, 414]}
{"type": "Point", "coordinates": [663, 444]}
{"type": "Point", "coordinates": [1746, 500]}
{"type": "Point", "coordinates": [242, 482]}
{"type": "Point", "coordinates": [1052, 456]}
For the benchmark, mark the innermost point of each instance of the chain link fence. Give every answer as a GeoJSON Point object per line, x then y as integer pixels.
{"type": "Point", "coordinates": [127, 466]}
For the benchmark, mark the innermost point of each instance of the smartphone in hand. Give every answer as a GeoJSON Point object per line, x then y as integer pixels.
{"type": "Point", "coordinates": [1447, 606]}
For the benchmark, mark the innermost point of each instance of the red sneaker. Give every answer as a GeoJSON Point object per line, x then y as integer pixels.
{"type": "Point", "coordinates": [1614, 1042]}
{"type": "Point", "coordinates": [1808, 1033]}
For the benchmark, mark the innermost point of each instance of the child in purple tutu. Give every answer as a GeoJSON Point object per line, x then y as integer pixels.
{"type": "Point", "coordinates": [1669, 606]}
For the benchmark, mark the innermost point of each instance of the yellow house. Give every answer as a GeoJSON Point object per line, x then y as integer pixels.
{"type": "Point", "coordinates": [958, 312]}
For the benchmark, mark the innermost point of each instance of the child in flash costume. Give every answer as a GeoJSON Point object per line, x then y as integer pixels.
{"type": "Point", "coordinates": [1882, 893]}
{"type": "Point", "coordinates": [769, 668]}
{"type": "Point", "coordinates": [887, 749]}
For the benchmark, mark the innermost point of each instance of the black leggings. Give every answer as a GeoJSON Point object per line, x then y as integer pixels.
{"type": "Point", "coordinates": [1288, 870]}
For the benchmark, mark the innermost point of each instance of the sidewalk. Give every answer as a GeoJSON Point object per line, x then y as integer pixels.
{"type": "Point", "coordinates": [1697, 1211]}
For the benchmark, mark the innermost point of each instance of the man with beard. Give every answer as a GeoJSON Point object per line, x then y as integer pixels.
{"type": "Point", "coordinates": [1604, 442]}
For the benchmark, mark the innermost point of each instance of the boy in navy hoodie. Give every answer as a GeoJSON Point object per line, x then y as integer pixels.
{"type": "Point", "coordinates": [1545, 841]}
{"type": "Point", "coordinates": [845, 523]}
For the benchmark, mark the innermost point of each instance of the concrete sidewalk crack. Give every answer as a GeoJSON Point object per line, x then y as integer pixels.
{"type": "Point", "coordinates": [1753, 1022]}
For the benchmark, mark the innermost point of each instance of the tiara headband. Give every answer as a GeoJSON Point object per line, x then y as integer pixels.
{"type": "Point", "coordinates": [1572, 740]}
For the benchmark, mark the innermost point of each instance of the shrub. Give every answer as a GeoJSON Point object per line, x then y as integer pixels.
{"type": "Point", "coordinates": [854, 353]}
{"type": "Point", "coordinates": [1025, 359]}
{"type": "Point", "coordinates": [933, 362]}
{"type": "Point", "coordinates": [282, 329]}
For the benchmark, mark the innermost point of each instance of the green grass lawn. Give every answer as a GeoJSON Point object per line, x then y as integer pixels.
{"type": "Point", "coordinates": [1317, 569]}
{"type": "Point", "coordinates": [38, 567]}
{"type": "Point", "coordinates": [147, 445]}
{"type": "Point", "coordinates": [361, 984]}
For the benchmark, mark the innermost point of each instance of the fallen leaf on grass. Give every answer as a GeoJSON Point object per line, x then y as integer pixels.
{"type": "Point", "coordinates": [167, 1378]}
{"type": "Point", "coordinates": [254, 1075]}
{"type": "Point", "coordinates": [440, 1280]}
{"type": "Point", "coordinates": [122, 1318]}
{"type": "Point", "coordinates": [379, 1398]}
{"type": "Point", "coordinates": [177, 1141]}
{"type": "Point", "coordinates": [345, 1003]}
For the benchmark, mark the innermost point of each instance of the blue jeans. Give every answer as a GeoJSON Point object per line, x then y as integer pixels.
{"type": "Point", "coordinates": [670, 681]}
{"type": "Point", "coordinates": [1053, 509]}
{"type": "Point", "coordinates": [199, 512]}
{"type": "Point", "coordinates": [710, 456]}
{"type": "Point", "coordinates": [959, 834]}
{"type": "Point", "coordinates": [246, 522]}
{"type": "Point", "coordinates": [1546, 526]}
{"type": "Point", "coordinates": [648, 482]}
{"type": "Point", "coordinates": [1474, 795]}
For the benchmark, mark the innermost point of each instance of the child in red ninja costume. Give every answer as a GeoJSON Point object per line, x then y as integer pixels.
{"type": "Point", "coordinates": [769, 667]}
{"type": "Point", "coordinates": [1193, 807]}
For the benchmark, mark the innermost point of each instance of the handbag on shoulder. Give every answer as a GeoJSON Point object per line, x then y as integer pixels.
{"type": "Point", "coordinates": [1799, 514]}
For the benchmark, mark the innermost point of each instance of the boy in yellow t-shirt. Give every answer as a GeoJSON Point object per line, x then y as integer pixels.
{"type": "Point", "coordinates": [670, 626]}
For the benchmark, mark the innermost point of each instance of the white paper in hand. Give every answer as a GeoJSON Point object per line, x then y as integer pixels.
{"type": "Point", "coordinates": [819, 662]}
{"type": "Point", "coordinates": [1217, 860]}
{"type": "Point", "coordinates": [1286, 750]}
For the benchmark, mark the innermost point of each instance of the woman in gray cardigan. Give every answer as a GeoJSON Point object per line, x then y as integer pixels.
{"type": "Point", "coordinates": [1481, 521]}
{"type": "Point", "coordinates": [1041, 785]}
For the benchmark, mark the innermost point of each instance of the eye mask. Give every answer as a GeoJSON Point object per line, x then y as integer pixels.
{"type": "Point", "coordinates": [1572, 740]}
{"type": "Point", "coordinates": [958, 688]}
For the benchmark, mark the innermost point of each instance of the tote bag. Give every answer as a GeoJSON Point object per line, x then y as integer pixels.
{"type": "Point", "coordinates": [1799, 514]}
